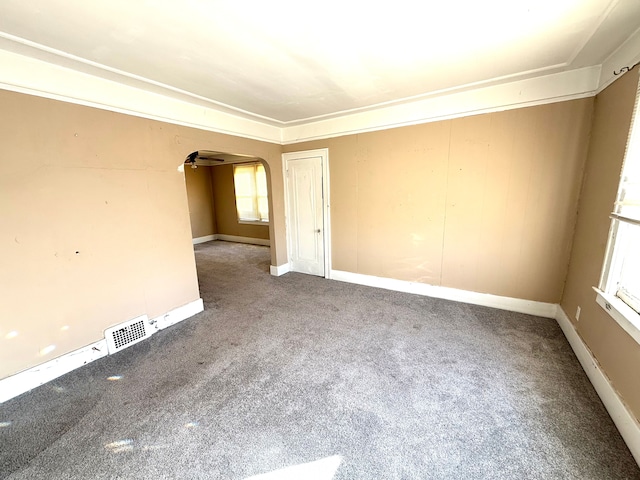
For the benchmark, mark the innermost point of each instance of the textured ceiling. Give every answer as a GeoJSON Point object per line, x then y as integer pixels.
{"type": "Point", "coordinates": [287, 62]}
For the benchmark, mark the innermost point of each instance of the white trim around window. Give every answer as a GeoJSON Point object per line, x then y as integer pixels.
{"type": "Point", "coordinates": [619, 290]}
{"type": "Point", "coordinates": [622, 313]}
{"type": "Point", "coordinates": [254, 222]}
{"type": "Point", "coordinates": [250, 188]}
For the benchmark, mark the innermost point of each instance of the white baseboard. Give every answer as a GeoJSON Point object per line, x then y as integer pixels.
{"type": "Point", "coordinates": [233, 238]}
{"type": "Point", "coordinates": [539, 309]}
{"type": "Point", "coordinates": [206, 238]}
{"type": "Point", "coordinates": [278, 270]}
{"type": "Point", "coordinates": [178, 314]}
{"type": "Point", "coordinates": [40, 374]}
{"type": "Point", "coordinates": [625, 422]}
{"type": "Point", "coordinates": [29, 379]}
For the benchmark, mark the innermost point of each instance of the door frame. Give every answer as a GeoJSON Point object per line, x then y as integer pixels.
{"type": "Point", "coordinates": [323, 153]}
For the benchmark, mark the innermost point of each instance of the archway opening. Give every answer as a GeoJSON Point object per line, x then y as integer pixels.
{"type": "Point", "coordinates": [229, 197]}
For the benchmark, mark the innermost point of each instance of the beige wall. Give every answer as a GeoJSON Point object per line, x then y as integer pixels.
{"type": "Point", "coordinates": [225, 204]}
{"type": "Point", "coordinates": [484, 203]}
{"type": "Point", "coordinates": [202, 213]}
{"type": "Point", "coordinates": [615, 350]}
{"type": "Point", "coordinates": [105, 185]}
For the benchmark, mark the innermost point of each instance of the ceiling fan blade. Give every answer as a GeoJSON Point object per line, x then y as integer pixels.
{"type": "Point", "coordinates": [212, 159]}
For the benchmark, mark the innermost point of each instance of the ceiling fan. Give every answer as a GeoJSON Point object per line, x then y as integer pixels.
{"type": "Point", "coordinates": [206, 155]}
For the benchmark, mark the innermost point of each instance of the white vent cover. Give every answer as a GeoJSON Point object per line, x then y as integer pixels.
{"type": "Point", "coordinates": [128, 333]}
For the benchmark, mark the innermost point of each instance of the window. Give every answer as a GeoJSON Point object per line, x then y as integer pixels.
{"type": "Point", "coordinates": [619, 292]}
{"type": "Point", "coordinates": [250, 181]}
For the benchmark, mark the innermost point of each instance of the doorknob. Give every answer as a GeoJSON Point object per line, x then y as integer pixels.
{"type": "Point", "coordinates": [318, 231]}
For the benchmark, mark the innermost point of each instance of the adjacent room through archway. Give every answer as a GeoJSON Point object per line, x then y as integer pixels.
{"type": "Point", "coordinates": [228, 196]}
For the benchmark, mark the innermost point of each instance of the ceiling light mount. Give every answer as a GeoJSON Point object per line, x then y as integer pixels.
{"type": "Point", "coordinates": [209, 158]}
{"type": "Point", "coordinates": [191, 159]}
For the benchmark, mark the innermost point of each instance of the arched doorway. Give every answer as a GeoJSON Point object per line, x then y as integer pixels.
{"type": "Point", "coordinates": [228, 196]}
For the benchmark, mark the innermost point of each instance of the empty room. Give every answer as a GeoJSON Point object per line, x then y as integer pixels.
{"type": "Point", "coordinates": [328, 240]}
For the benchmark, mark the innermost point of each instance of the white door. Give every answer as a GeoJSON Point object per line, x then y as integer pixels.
{"type": "Point", "coordinates": [305, 212]}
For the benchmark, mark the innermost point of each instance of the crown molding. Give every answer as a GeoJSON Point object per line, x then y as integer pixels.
{"type": "Point", "coordinates": [627, 55]}
{"type": "Point", "coordinates": [29, 75]}
{"type": "Point", "coordinates": [540, 90]}
{"type": "Point", "coordinates": [34, 76]}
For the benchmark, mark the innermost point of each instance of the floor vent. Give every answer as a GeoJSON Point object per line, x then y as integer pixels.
{"type": "Point", "coordinates": [127, 334]}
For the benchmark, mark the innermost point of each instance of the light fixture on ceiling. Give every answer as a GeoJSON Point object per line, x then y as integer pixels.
{"type": "Point", "coordinates": [191, 159]}
{"type": "Point", "coordinates": [205, 158]}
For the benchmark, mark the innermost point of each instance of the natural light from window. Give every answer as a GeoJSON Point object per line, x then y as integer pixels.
{"type": "Point", "coordinates": [629, 283]}
{"type": "Point", "coordinates": [252, 202]}
{"type": "Point", "coordinates": [619, 292]}
{"type": "Point", "coordinates": [323, 469]}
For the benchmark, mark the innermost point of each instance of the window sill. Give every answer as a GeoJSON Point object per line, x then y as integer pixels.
{"type": "Point", "coordinates": [626, 316]}
{"type": "Point", "coordinates": [253, 222]}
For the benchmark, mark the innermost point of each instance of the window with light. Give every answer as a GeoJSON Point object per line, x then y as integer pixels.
{"type": "Point", "coordinates": [619, 289]}
{"type": "Point", "coordinates": [250, 183]}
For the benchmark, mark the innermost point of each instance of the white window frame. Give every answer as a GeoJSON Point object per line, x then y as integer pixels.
{"type": "Point", "coordinates": [607, 292]}
{"type": "Point", "coordinates": [247, 221]}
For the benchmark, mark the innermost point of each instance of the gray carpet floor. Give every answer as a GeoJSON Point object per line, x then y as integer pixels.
{"type": "Point", "coordinates": [301, 377]}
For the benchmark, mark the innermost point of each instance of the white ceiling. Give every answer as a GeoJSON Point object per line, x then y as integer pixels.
{"type": "Point", "coordinates": [287, 63]}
